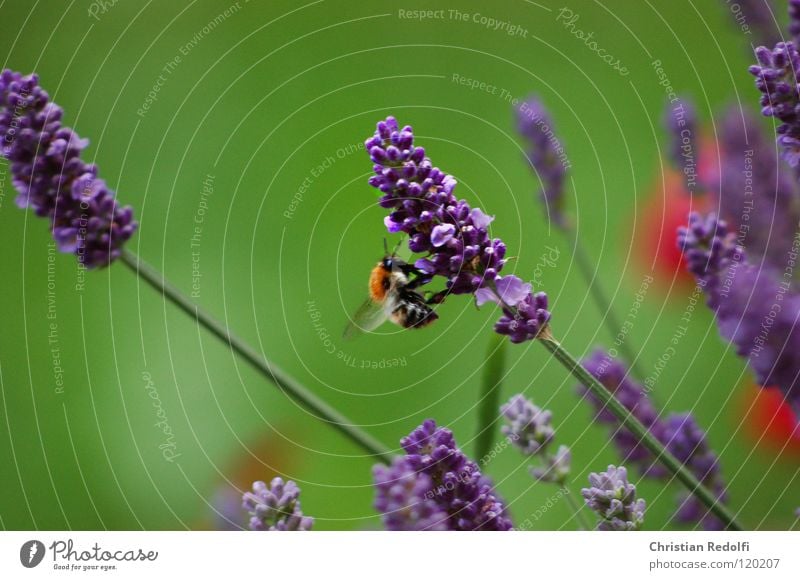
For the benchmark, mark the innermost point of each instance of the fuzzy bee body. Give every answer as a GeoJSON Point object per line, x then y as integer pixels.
{"type": "Point", "coordinates": [389, 287]}
{"type": "Point", "coordinates": [392, 297]}
{"type": "Point", "coordinates": [413, 311]}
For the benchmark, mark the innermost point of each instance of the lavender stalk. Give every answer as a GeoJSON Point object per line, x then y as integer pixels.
{"type": "Point", "coordinates": [316, 406]}
{"type": "Point", "coordinates": [57, 184]}
{"type": "Point", "coordinates": [546, 156]}
{"type": "Point", "coordinates": [630, 422]}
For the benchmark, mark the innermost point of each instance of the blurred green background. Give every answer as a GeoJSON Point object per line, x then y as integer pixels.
{"type": "Point", "coordinates": [261, 101]}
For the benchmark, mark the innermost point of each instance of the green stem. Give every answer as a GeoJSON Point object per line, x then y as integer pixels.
{"type": "Point", "coordinates": [583, 523]}
{"type": "Point", "coordinates": [489, 402]}
{"type": "Point", "coordinates": [313, 404]}
{"type": "Point", "coordinates": [602, 302]}
{"type": "Point", "coordinates": [632, 424]}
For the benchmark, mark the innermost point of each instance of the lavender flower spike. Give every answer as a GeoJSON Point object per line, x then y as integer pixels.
{"type": "Point", "coordinates": [760, 204]}
{"type": "Point", "coordinates": [758, 17]}
{"type": "Point", "coordinates": [687, 442]}
{"type": "Point", "coordinates": [453, 236]}
{"type": "Point", "coordinates": [710, 249]}
{"type": "Point", "coordinates": [51, 178]}
{"type": "Point", "coordinates": [527, 321]}
{"type": "Point", "coordinates": [434, 486]}
{"type": "Point", "coordinates": [680, 434]}
{"type": "Point", "coordinates": [545, 154]}
{"type": "Point", "coordinates": [528, 427]}
{"type": "Point", "coordinates": [776, 78]}
{"type": "Point", "coordinates": [405, 498]}
{"type": "Point", "coordinates": [275, 507]}
{"type": "Point", "coordinates": [613, 375]}
{"type": "Point", "coordinates": [613, 498]}
{"type": "Point", "coordinates": [756, 309]}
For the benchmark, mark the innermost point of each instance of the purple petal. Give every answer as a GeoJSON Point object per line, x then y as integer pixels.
{"type": "Point", "coordinates": [512, 290]}
{"type": "Point", "coordinates": [484, 295]}
{"type": "Point", "coordinates": [425, 265]}
{"type": "Point", "coordinates": [66, 239]}
{"type": "Point", "coordinates": [479, 219]}
{"type": "Point", "coordinates": [441, 234]}
{"type": "Point", "coordinates": [392, 226]}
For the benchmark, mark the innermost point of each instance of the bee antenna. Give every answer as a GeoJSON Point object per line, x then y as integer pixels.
{"type": "Point", "coordinates": [397, 247]}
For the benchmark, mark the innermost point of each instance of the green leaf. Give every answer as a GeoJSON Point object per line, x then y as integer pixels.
{"type": "Point", "coordinates": [489, 401]}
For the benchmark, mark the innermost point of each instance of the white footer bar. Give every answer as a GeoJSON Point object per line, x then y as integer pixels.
{"type": "Point", "coordinates": [388, 556]}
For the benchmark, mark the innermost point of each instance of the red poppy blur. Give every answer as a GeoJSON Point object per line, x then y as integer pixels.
{"type": "Point", "coordinates": [665, 208]}
{"type": "Point", "coordinates": [770, 423]}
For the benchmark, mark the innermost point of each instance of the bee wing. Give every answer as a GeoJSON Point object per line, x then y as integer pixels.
{"type": "Point", "coordinates": [369, 316]}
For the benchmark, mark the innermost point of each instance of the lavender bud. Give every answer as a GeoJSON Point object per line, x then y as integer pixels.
{"type": "Point", "coordinates": [275, 507]}
{"type": "Point", "coordinates": [613, 499]}
{"type": "Point", "coordinates": [528, 427]}
{"type": "Point", "coordinates": [776, 79]}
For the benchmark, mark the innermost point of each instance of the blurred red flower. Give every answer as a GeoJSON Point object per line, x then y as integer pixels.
{"type": "Point", "coordinates": [769, 422]}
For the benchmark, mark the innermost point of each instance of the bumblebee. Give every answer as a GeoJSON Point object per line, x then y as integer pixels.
{"type": "Point", "coordinates": [393, 296]}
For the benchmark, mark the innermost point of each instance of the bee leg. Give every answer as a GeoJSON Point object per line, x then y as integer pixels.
{"type": "Point", "coordinates": [419, 281]}
{"type": "Point", "coordinates": [409, 269]}
{"type": "Point", "coordinates": [420, 278]}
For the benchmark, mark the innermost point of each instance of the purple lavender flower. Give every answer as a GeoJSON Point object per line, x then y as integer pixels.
{"type": "Point", "coordinates": [453, 236]}
{"type": "Point", "coordinates": [757, 16]}
{"type": "Point", "coordinates": [404, 497]}
{"type": "Point", "coordinates": [760, 316]}
{"type": "Point", "coordinates": [556, 468]}
{"type": "Point", "coordinates": [527, 427]}
{"type": "Point", "coordinates": [680, 119]}
{"type": "Point", "coordinates": [226, 507]}
{"type": "Point", "coordinates": [679, 433]}
{"type": "Point", "coordinates": [613, 498]}
{"type": "Point", "coordinates": [507, 290]}
{"type": "Point", "coordinates": [435, 486]}
{"type": "Point", "coordinates": [51, 178]}
{"type": "Point", "coordinates": [424, 206]}
{"type": "Point", "coordinates": [527, 321]}
{"type": "Point", "coordinates": [756, 309]}
{"type": "Point", "coordinates": [776, 78]}
{"type": "Point", "coordinates": [613, 375]}
{"type": "Point", "coordinates": [757, 192]}
{"type": "Point", "coordinates": [687, 442]}
{"type": "Point", "coordinates": [711, 251]}
{"type": "Point", "coordinates": [275, 507]}
{"type": "Point", "coordinates": [545, 154]}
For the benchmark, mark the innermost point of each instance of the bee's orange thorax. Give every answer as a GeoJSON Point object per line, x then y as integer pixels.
{"type": "Point", "coordinates": [378, 283]}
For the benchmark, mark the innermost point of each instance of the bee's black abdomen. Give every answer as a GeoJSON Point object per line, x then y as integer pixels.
{"type": "Point", "coordinates": [413, 312]}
